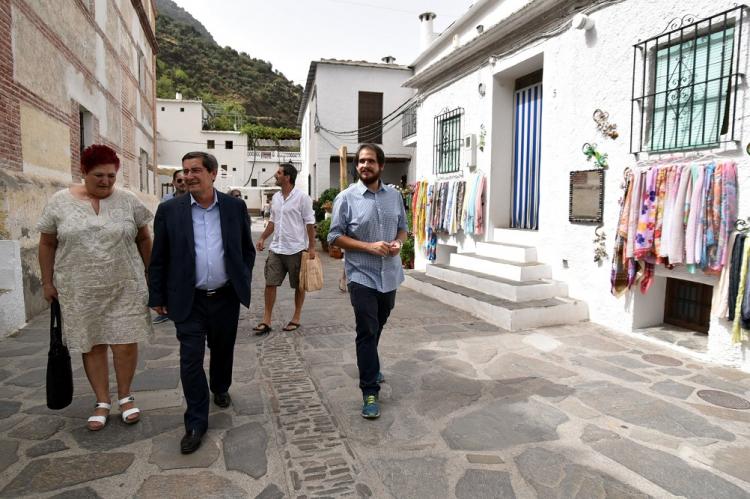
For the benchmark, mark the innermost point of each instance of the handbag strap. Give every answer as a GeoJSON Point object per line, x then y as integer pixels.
{"type": "Point", "coordinates": [55, 324]}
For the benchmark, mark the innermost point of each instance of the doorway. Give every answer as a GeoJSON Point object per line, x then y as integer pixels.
{"type": "Point", "coordinates": [527, 140]}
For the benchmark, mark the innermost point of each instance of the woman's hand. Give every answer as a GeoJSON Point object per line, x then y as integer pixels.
{"type": "Point", "coordinates": [49, 291]}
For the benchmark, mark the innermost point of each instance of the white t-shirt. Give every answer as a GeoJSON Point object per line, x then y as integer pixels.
{"type": "Point", "coordinates": [290, 218]}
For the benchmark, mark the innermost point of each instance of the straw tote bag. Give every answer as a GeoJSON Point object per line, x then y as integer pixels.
{"type": "Point", "coordinates": [311, 273]}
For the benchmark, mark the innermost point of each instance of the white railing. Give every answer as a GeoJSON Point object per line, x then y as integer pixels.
{"type": "Point", "coordinates": [274, 156]}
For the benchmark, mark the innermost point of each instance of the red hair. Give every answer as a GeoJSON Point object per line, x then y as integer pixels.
{"type": "Point", "coordinates": [96, 155]}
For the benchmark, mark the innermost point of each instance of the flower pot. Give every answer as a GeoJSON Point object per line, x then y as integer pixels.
{"type": "Point", "coordinates": [335, 252]}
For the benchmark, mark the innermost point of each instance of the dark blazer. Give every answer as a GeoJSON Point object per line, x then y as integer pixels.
{"type": "Point", "coordinates": [171, 274]}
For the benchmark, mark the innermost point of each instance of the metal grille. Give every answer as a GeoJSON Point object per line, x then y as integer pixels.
{"type": "Point", "coordinates": [688, 304]}
{"type": "Point", "coordinates": [685, 81]}
{"type": "Point", "coordinates": [409, 122]}
{"type": "Point", "coordinates": [447, 141]}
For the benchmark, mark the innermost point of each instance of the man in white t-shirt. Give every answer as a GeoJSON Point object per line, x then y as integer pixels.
{"type": "Point", "coordinates": [292, 224]}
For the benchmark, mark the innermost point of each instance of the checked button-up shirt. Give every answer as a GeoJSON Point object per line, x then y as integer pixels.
{"type": "Point", "coordinates": [370, 217]}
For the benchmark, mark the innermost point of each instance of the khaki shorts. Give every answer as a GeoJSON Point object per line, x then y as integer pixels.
{"type": "Point", "coordinates": [277, 266]}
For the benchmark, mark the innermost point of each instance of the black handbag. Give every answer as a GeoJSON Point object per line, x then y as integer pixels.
{"type": "Point", "coordinates": [59, 370]}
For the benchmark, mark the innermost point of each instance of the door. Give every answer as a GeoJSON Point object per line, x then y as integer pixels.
{"type": "Point", "coordinates": [527, 139]}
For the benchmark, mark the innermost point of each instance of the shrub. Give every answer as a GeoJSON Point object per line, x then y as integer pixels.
{"type": "Point", "coordinates": [322, 230]}
{"type": "Point", "coordinates": [327, 195]}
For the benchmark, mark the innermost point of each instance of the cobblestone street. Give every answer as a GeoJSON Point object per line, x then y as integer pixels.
{"type": "Point", "coordinates": [468, 411]}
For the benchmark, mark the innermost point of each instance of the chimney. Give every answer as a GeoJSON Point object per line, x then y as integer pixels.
{"type": "Point", "coordinates": [389, 59]}
{"type": "Point", "coordinates": [178, 96]}
{"type": "Point", "coordinates": [426, 31]}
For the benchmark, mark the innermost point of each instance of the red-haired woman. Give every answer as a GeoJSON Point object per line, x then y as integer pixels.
{"type": "Point", "coordinates": [94, 248]}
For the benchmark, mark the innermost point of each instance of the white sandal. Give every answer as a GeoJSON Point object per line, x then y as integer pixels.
{"type": "Point", "coordinates": [129, 412]}
{"type": "Point", "coordinates": [102, 420]}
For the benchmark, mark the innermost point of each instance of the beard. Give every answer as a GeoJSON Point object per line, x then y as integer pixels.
{"type": "Point", "coordinates": [371, 175]}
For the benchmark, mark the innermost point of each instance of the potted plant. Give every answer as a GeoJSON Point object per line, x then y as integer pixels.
{"type": "Point", "coordinates": [322, 229]}
{"type": "Point", "coordinates": [407, 253]}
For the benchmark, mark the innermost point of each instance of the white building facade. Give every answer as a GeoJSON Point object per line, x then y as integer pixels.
{"type": "Point", "coordinates": [524, 79]}
{"type": "Point", "coordinates": [346, 103]}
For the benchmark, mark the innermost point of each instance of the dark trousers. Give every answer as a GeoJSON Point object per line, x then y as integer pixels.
{"type": "Point", "coordinates": [371, 311]}
{"type": "Point", "coordinates": [212, 321]}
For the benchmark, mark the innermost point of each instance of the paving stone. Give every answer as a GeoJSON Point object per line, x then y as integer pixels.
{"type": "Point", "coordinates": [573, 407]}
{"type": "Point", "coordinates": [541, 342]}
{"type": "Point", "coordinates": [164, 378]}
{"type": "Point", "coordinates": [247, 400]}
{"type": "Point", "coordinates": [444, 328]}
{"type": "Point", "coordinates": [10, 422]}
{"type": "Point", "coordinates": [480, 326]}
{"type": "Point", "coordinates": [44, 448]}
{"type": "Point", "coordinates": [271, 492]}
{"type": "Point", "coordinates": [512, 365]}
{"type": "Point", "coordinates": [659, 439]}
{"type": "Point", "coordinates": [430, 355]}
{"type": "Point", "coordinates": [82, 493]}
{"type": "Point", "coordinates": [21, 351]}
{"type": "Point", "coordinates": [30, 379]}
{"type": "Point", "coordinates": [8, 453]}
{"type": "Point", "coordinates": [723, 399]}
{"type": "Point", "coordinates": [674, 371]}
{"type": "Point", "coordinates": [608, 369]}
{"type": "Point", "coordinates": [220, 420]}
{"type": "Point", "coordinates": [8, 408]}
{"type": "Point", "coordinates": [720, 412]}
{"type": "Point", "coordinates": [665, 470]}
{"type": "Point", "coordinates": [40, 428]}
{"type": "Point", "coordinates": [484, 459]}
{"type": "Point", "coordinates": [718, 384]}
{"type": "Point", "coordinates": [649, 412]}
{"type": "Point", "coordinates": [457, 366]}
{"type": "Point", "coordinates": [502, 424]}
{"type": "Point", "coordinates": [444, 393]}
{"type": "Point", "coordinates": [730, 374]}
{"type": "Point", "coordinates": [534, 386]}
{"type": "Point", "coordinates": [154, 353]}
{"type": "Point", "coordinates": [479, 354]}
{"type": "Point", "coordinates": [661, 360]}
{"type": "Point", "coordinates": [48, 474]}
{"type": "Point", "coordinates": [626, 361]}
{"type": "Point", "coordinates": [4, 374]}
{"type": "Point", "coordinates": [552, 475]}
{"type": "Point", "coordinates": [590, 341]}
{"type": "Point", "coordinates": [165, 453]}
{"type": "Point", "coordinates": [673, 389]}
{"type": "Point", "coordinates": [733, 461]}
{"type": "Point", "coordinates": [80, 408]}
{"type": "Point", "coordinates": [117, 434]}
{"type": "Point", "coordinates": [245, 449]}
{"type": "Point", "coordinates": [398, 475]}
{"type": "Point", "coordinates": [484, 484]}
{"type": "Point", "coordinates": [193, 486]}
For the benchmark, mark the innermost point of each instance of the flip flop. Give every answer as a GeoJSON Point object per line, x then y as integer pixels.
{"type": "Point", "coordinates": [262, 329]}
{"type": "Point", "coordinates": [292, 326]}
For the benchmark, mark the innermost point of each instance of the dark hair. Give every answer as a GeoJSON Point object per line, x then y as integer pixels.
{"type": "Point", "coordinates": [374, 148]}
{"type": "Point", "coordinates": [290, 171]}
{"type": "Point", "coordinates": [96, 155]}
{"type": "Point", "coordinates": [232, 191]}
{"type": "Point", "coordinates": [208, 160]}
{"type": "Point", "coordinates": [174, 175]}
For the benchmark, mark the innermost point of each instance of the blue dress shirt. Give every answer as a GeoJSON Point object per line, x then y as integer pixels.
{"type": "Point", "coordinates": [370, 216]}
{"type": "Point", "coordinates": [210, 272]}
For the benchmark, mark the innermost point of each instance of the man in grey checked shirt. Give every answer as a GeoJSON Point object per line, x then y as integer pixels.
{"type": "Point", "coordinates": [369, 222]}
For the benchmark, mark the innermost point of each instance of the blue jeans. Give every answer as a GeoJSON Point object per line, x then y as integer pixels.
{"type": "Point", "coordinates": [371, 311]}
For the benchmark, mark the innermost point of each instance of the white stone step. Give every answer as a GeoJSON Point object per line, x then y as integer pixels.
{"type": "Point", "coordinates": [522, 237]}
{"type": "Point", "coordinates": [507, 251]}
{"type": "Point", "coordinates": [497, 286]}
{"type": "Point", "coordinates": [512, 316]}
{"type": "Point", "coordinates": [506, 269]}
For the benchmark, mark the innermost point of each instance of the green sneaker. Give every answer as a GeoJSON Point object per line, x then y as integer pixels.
{"type": "Point", "coordinates": [370, 407]}
{"type": "Point", "coordinates": [380, 378]}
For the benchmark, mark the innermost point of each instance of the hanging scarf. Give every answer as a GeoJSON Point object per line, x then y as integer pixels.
{"type": "Point", "coordinates": [619, 274]}
{"type": "Point", "coordinates": [677, 226]}
{"type": "Point", "coordinates": [634, 211]}
{"type": "Point", "coordinates": [719, 302]}
{"type": "Point", "coordinates": [736, 325]}
{"type": "Point", "coordinates": [661, 197]}
{"type": "Point", "coordinates": [693, 218]}
{"type": "Point", "coordinates": [644, 237]}
{"type": "Point", "coordinates": [479, 224]}
{"type": "Point", "coordinates": [728, 210]}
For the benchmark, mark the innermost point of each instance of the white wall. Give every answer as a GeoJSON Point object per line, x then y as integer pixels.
{"type": "Point", "coordinates": [583, 71]}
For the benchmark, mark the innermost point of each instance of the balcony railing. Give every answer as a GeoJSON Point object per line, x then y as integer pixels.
{"type": "Point", "coordinates": [275, 156]}
{"type": "Point", "coordinates": [409, 123]}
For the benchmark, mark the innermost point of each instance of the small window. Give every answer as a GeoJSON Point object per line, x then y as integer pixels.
{"type": "Point", "coordinates": [234, 169]}
{"type": "Point", "coordinates": [224, 167]}
{"type": "Point", "coordinates": [370, 117]}
{"type": "Point", "coordinates": [229, 144]}
{"type": "Point", "coordinates": [688, 304]}
{"type": "Point", "coordinates": [162, 108]}
{"type": "Point", "coordinates": [246, 196]}
{"type": "Point", "coordinates": [253, 182]}
{"type": "Point", "coordinates": [182, 109]}
{"type": "Point", "coordinates": [210, 144]}
{"type": "Point", "coordinates": [447, 141]}
{"type": "Point", "coordinates": [263, 169]}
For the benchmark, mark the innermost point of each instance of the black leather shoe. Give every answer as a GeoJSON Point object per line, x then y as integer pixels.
{"type": "Point", "coordinates": [222, 399]}
{"type": "Point", "coordinates": [191, 441]}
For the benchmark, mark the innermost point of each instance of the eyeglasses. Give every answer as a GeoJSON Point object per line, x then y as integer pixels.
{"type": "Point", "coordinates": [180, 180]}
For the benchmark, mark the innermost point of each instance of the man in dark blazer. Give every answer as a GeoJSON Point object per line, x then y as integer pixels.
{"type": "Point", "coordinates": [200, 272]}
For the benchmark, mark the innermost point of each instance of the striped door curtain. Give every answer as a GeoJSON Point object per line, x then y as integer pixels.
{"type": "Point", "coordinates": [526, 150]}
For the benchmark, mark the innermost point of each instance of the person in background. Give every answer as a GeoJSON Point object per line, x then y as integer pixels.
{"type": "Point", "coordinates": [180, 187]}
{"type": "Point", "coordinates": [94, 248]}
{"type": "Point", "coordinates": [292, 224]}
{"type": "Point", "coordinates": [200, 273]}
{"type": "Point", "coordinates": [369, 222]}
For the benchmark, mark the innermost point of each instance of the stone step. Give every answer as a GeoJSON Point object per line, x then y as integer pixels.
{"type": "Point", "coordinates": [497, 286]}
{"type": "Point", "coordinates": [509, 315]}
{"type": "Point", "coordinates": [506, 269]}
{"type": "Point", "coordinates": [507, 251]}
{"type": "Point", "coordinates": [520, 237]}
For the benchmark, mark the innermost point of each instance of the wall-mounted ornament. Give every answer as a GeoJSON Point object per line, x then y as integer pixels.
{"type": "Point", "coordinates": [586, 203]}
{"type": "Point", "coordinates": [747, 149]}
{"type": "Point", "coordinates": [482, 136]}
{"type": "Point", "coordinates": [600, 242]}
{"type": "Point", "coordinates": [481, 89]}
{"type": "Point", "coordinates": [604, 126]}
{"type": "Point", "coordinates": [600, 159]}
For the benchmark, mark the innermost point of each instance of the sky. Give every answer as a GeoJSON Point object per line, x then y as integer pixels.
{"type": "Point", "coordinates": [291, 33]}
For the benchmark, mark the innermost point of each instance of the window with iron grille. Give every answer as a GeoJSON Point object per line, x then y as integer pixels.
{"type": "Point", "coordinates": [688, 304]}
{"type": "Point", "coordinates": [446, 158]}
{"type": "Point", "coordinates": [685, 84]}
{"type": "Point", "coordinates": [370, 117]}
{"type": "Point", "coordinates": [409, 122]}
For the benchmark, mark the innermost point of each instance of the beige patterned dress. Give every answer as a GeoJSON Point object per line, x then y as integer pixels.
{"type": "Point", "coordinates": [98, 271]}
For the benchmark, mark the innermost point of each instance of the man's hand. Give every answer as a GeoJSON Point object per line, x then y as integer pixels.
{"type": "Point", "coordinates": [311, 253]}
{"type": "Point", "coordinates": [395, 247]}
{"type": "Point", "coordinates": [260, 244]}
{"type": "Point", "coordinates": [49, 291]}
{"type": "Point", "coordinates": [160, 310]}
{"type": "Point", "coordinates": [380, 248]}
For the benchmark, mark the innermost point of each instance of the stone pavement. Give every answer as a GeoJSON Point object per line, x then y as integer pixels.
{"type": "Point", "coordinates": [468, 411]}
